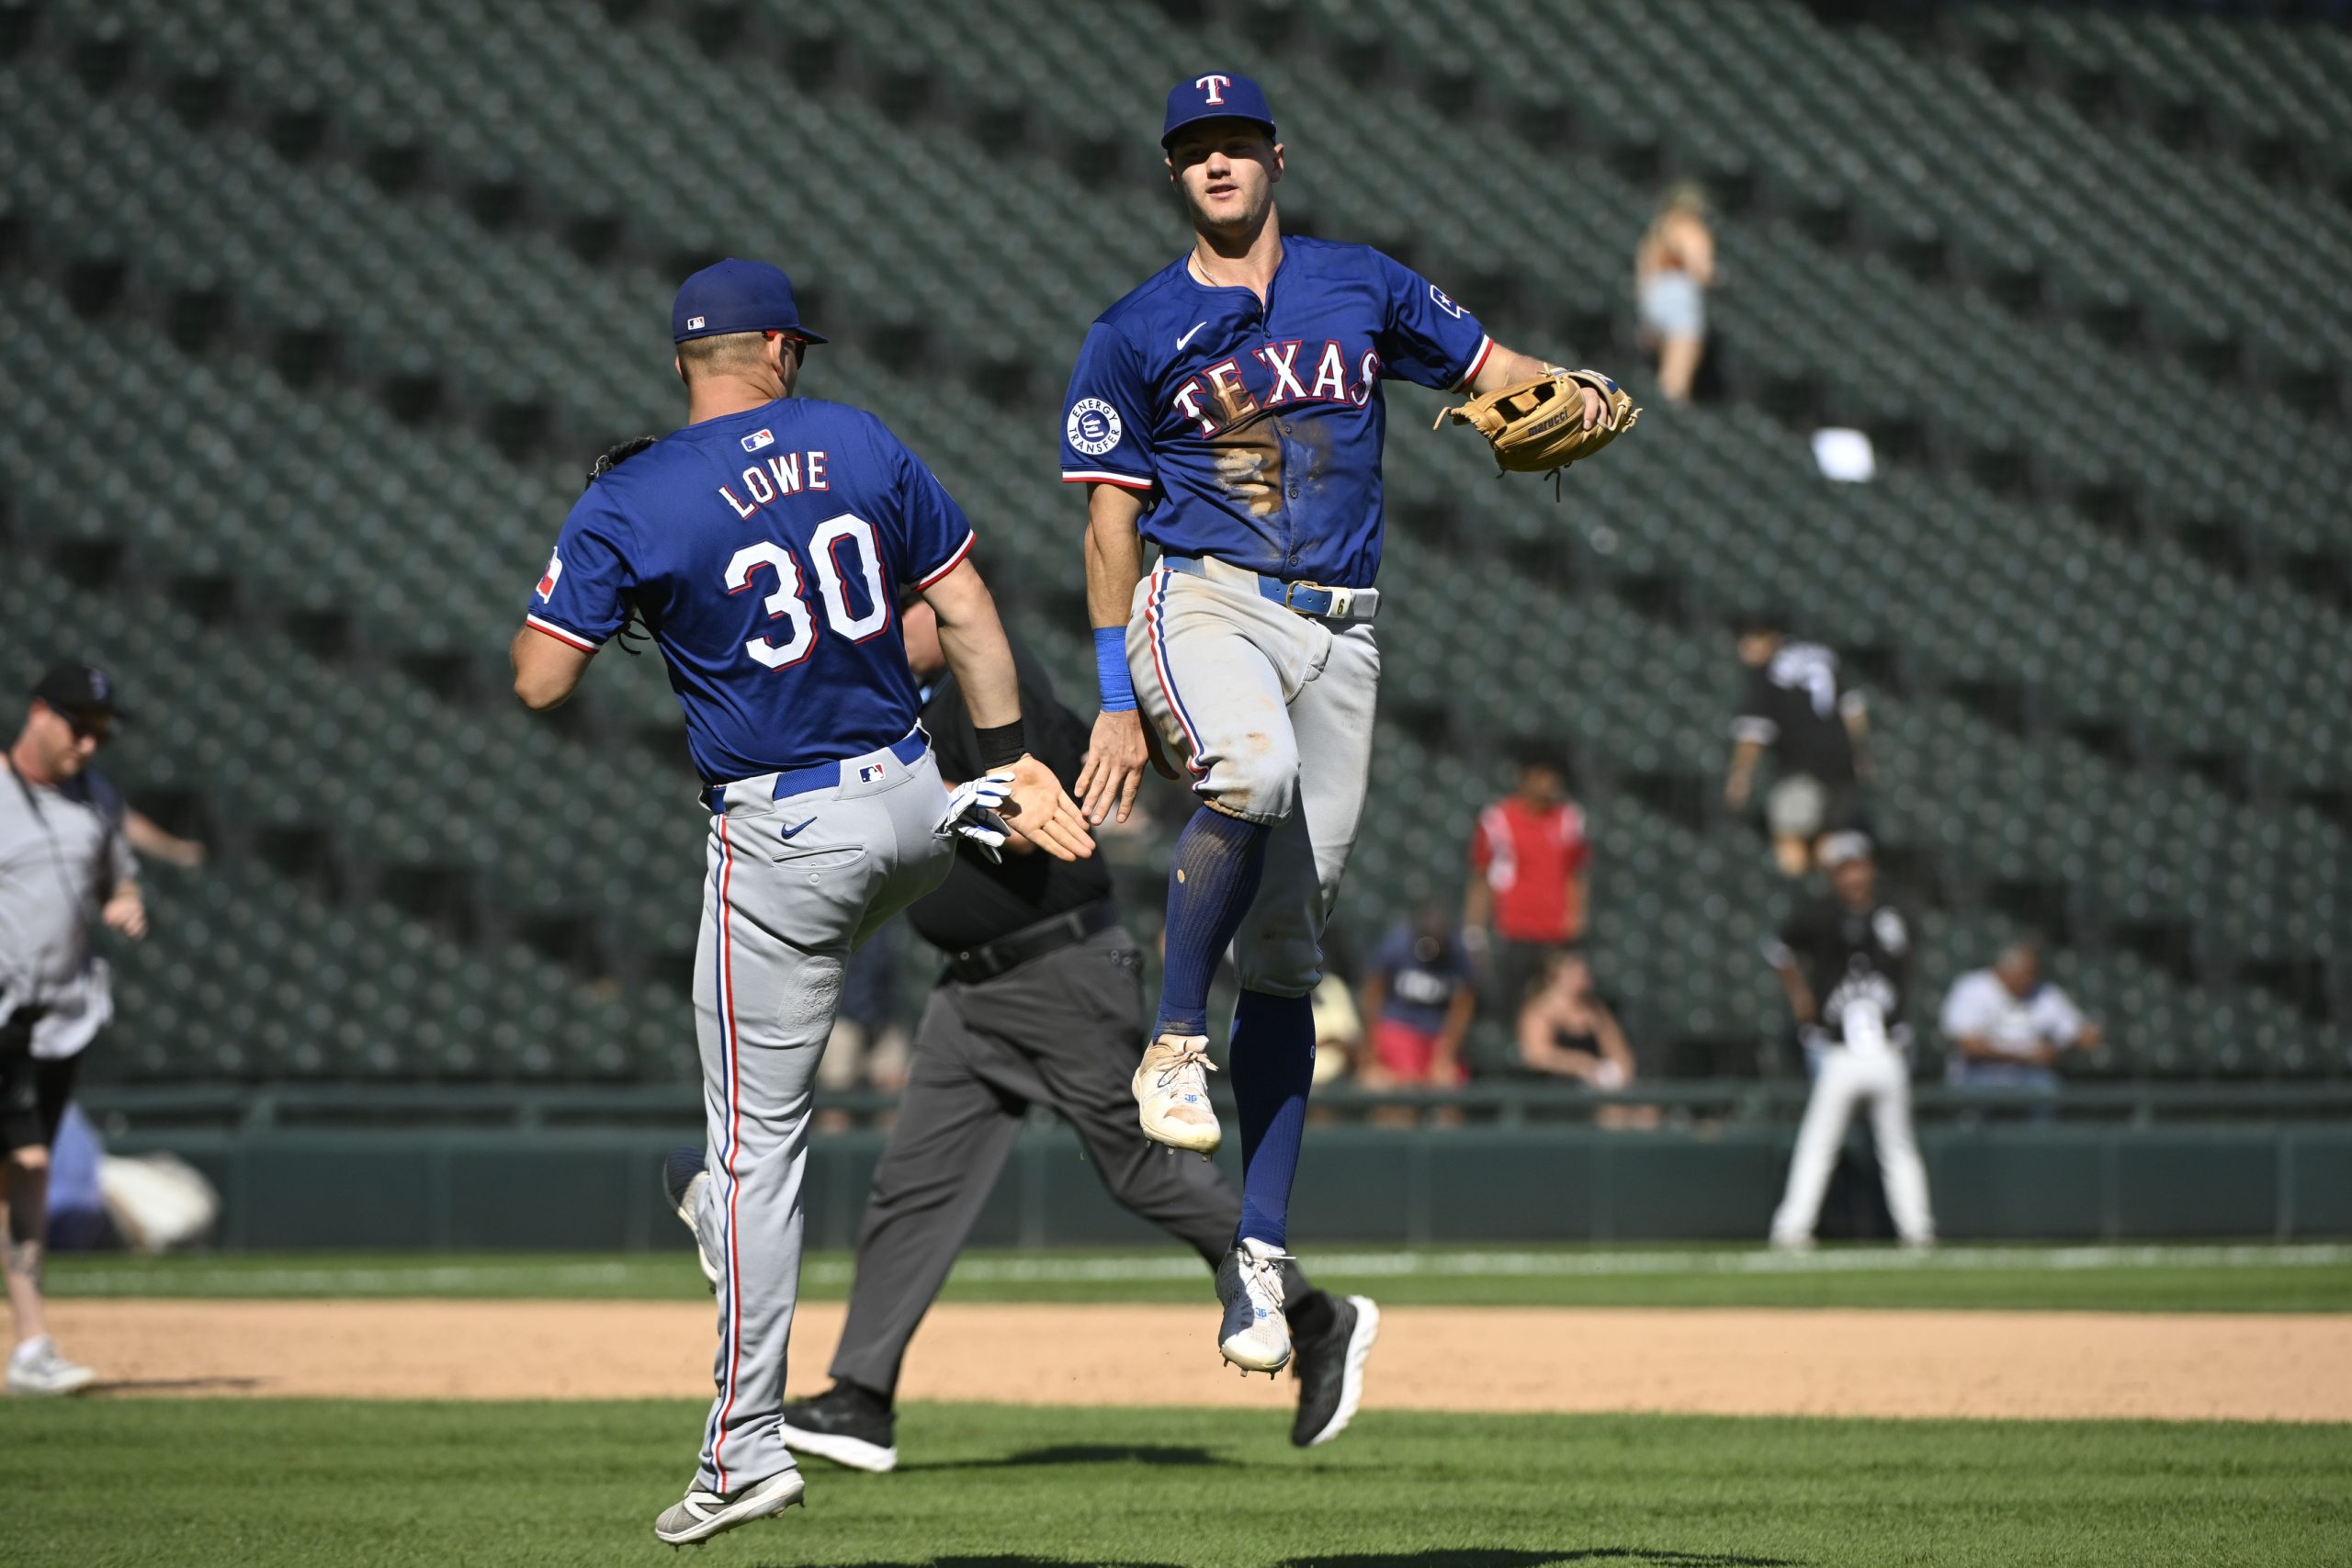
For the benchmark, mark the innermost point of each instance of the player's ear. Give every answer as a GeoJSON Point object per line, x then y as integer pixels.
{"type": "Point", "coordinates": [678, 363]}
{"type": "Point", "coordinates": [1278, 161]}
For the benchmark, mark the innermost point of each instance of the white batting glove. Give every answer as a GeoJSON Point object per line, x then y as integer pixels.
{"type": "Point", "coordinates": [971, 814]}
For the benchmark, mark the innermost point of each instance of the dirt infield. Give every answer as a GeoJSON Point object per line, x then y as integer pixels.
{"type": "Point", "coordinates": [2038, 1365]}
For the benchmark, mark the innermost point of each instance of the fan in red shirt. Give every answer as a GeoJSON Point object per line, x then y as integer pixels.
{"type": "Point", "coordinates": [1527, 887]}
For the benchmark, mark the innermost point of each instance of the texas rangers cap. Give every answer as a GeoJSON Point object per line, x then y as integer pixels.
{"type": "Point", "coordinates": [71, 687]}
{"type": "Point", "coordinates": [737, 296]}
{"type": "Point", "coordinates": [1216, 95]}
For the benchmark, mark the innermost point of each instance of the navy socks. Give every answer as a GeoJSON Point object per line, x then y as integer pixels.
{"type": "Point", "coordinates": [1271, 1064]}
{"type": "Point", "coordinates": [1214, 876]}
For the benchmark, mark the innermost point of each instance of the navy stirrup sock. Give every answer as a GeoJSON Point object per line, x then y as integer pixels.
{"type": "Point", "coordinates": [1271, 1064]}
{"type": "Point", "coordinates": [1211, 883]}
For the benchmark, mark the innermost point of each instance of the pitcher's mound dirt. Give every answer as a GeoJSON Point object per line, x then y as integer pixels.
{"type": "Point", "coordinates": [2268, 1367]}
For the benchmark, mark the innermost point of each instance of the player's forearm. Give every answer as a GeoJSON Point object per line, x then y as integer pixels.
{"type": "Point", "coordinates": [972, 640]}
{"type": "Point", "coordinates": [546, 670]}
{"type": "Point", "coordinates": [1799, 995]}
{"type": "Point", "coordinates": [1113, 555]}
{"type": "Point", "coordinates": [1506, 367]}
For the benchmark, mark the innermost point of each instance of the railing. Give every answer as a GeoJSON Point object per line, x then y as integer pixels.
{"type": "Point", "coordinates": [256, 1107]}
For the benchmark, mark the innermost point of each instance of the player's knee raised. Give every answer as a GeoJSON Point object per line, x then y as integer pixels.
{"type": "Point", "coordinates": [1259, 777]}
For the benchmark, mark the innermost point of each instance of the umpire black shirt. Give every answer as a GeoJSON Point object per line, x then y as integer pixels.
{"type": "Point", "coordinates": [979, 902]}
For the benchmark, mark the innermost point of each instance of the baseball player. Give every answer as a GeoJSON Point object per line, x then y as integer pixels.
{"type": "Point", "coordinates": [1845, 963]}
{"type": "Point", "coordinates": [764, 545]}
{"type": "Point", "coordinates": [1040, 1005]}
{"type": "Point", "coordinates": [64, 864]}
{"type": "Point", "coordinates": [1230, 412]}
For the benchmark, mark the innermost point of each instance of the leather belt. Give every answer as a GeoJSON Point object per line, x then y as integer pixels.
{"type": "Point", "coordinates": [974, 966]}
{"type": "Point", "coordinates": [1315, 600]}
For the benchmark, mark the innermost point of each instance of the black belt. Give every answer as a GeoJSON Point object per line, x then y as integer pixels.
{"type": "Point", "coordinates": [974, 964]}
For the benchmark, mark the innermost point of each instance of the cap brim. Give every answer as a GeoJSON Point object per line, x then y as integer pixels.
{"type": "Point", "coordinates": [803, 333]}
{"type": "Point", "coordinates": [1170, 134]}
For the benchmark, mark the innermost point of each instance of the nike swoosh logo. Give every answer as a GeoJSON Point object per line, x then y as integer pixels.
{"type": "Point", "coordinates": [1191, 336]}
{"type": "Point", "coordinates": [788, 833]}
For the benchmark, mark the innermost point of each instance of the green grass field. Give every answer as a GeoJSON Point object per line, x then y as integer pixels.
{"type": "Point", "coordinates": [124, 1484]}
{"type": "Point", "coordinates": [2313, 1278]}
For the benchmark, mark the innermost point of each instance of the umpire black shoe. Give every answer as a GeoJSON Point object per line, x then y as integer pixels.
{"type": "Point", "coordinates": [1329, 1370]}
{"type": "Point", "coordinates": [846, 1424]}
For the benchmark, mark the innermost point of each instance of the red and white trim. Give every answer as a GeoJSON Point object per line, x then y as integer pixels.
{"type": "Point", "coordinates": [1155, 615]}
{"type": "Point", "coordinates": [1103, 475]}
{"type": "Point", "coordinates": [731, 1278]}
{"type": "Point", "coordinates": [1477, 362]}
{"type": "Point", "coordinates": [562, 634]}
{"type": "Point", "coordinates": [952, 562]}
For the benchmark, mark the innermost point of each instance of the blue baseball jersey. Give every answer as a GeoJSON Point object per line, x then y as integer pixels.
{"type": "Point", "coordinates": [766, 551]}
{"type": "Point", "coordinates": [1255, 430]}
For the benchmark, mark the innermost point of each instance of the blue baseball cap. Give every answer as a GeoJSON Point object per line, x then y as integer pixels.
{"type": "Point", "coordinates": [735, 296]}
{"type": "Point", "coordinates": [1216, 95]}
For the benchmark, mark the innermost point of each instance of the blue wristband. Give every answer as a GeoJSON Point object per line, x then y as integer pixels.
{"type": "Point", "coordinates": [1111, 668]}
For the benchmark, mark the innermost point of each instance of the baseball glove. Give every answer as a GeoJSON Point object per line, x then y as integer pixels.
{"type": "Point", "coordinates": [1537, 427]}
{"type": "Point", "coordinates": [613, 456]}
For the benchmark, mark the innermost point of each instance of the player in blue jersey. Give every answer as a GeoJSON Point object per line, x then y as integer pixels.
{"type": "Point", "coordinates": [1229, 412]}
{"type": "Point", "coordinates": [764, 546]}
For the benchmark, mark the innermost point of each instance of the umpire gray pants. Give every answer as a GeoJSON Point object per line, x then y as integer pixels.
{"type": "Point", "coordinates": [795, 885]}
{"type": "Point", "coordinates": [1058, 1031]}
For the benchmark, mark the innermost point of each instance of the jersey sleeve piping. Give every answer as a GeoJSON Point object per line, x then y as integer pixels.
{"type": "Point", "coordinates": [1103, 475]}
{"type": "Point", "coordinates": [955, 560]}
{"type": "Point", "coordinates": [1477, 362]}
{"type": "Point", "coordinates": [562, 634]}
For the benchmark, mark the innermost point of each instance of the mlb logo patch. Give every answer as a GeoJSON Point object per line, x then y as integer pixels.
{"type": "Point", "coordinates": [758, 439]}
{"type": "Point", "coordinates": [694, 323]}
{"type": "Point", "coordinates": [871, 772]}
{"type": "Point", "coordinates": [553, 575]}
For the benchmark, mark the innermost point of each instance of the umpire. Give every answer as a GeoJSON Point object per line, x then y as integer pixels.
{"type": "Point", "coordinates": [1041, 1004]}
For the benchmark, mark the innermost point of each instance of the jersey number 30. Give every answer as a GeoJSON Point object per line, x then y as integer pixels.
{"type": "Point", "coordinates": [789, 603]}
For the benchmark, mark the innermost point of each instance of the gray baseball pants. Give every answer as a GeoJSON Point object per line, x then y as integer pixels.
{"type": "Point", "coordinates": [795, 885]}
{"type": "Point", "coordinates": [1270, 713]}
{"type": "Point", "coordinates": [1059, 1031]}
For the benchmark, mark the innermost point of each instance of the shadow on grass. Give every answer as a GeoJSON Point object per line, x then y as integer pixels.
{"type": "Point", "coordinates": [176, 1385]}
{"type": "Point", "coordinates": [1474, 1557]}
{"type": "Point", "coordinates": [1159, 1455]}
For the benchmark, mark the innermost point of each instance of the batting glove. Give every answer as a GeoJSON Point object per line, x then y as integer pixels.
{"type": "Point", "coordinates": [971, 814]}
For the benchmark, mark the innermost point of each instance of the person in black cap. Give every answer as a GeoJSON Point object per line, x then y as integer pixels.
{"type": "Point", "coordinates": [1041, 1004]}
{"type": "Point", "coordinates": [64, 862]}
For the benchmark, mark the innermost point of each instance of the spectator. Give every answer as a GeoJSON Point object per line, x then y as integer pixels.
{"type": "Point", "coordinates": [64, 866]}
{"type": "Point", "coordinates": [1566, 1030]}
{"type": "Point", "coordinates": [2006, 1029]}
{"type": "Point", "coordinates": [1419, 1000]}
{"type": "Point", "coordinates": [1338, 1032]}
{"type": "Point", "coordinates": [1673, 268]}
{"type": "Point", "coordinates": [1795, 704]}
{"type": "Point", "coordinates": [1845, 963]}
{"type": "Point", "coordinates": [1528, 880]}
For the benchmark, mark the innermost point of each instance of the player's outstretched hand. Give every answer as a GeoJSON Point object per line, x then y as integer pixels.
{"type": "Point", "coordinates": [1042, 814]}
{"type": "Point", "coordinates": [1113, 771]}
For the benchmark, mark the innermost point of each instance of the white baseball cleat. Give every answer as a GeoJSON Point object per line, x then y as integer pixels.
{"type": "Point", "coordinates": [1171, 1090]}
{"type": "Point", "coordinates": [701, 1514]}
{"type": "Point", "coordinates": [1255, 1334]}
{"type": "Point", "coordinates": [38, 1370]}
{"type": "Point", "coordinates": [684, 1176]}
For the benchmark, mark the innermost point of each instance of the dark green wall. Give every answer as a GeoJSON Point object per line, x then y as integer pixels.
{"type": "Point", "coordinates": [597, 1189]}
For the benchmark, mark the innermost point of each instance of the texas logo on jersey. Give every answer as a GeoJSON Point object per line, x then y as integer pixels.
{"type": "Point", "coordinates": [549, 578]}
